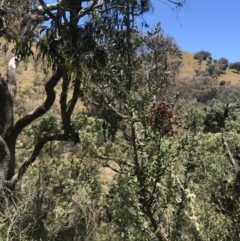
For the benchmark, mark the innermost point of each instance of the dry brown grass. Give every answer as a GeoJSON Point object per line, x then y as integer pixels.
{"type": "Point", "coordinates": [190, 64]}
{"type": "Point", "coordinates": [29, 72]}
{"type": "Point", "coordinates": [26, 73]}
{"type": "Point", "coordinates": [30, 80]}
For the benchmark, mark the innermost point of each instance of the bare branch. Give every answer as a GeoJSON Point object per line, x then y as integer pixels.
{"type": "Point", "coordinates": [179, 183]}
{"type": "Point", "coordinates": [114, 109]}
{"type": "Point", "coordinates": [49, 7]}
{"type": "Point", "coordinates": [235, 165]}
{"type": "Point", "coordinates": [63, 99]}
{"type": "Point", "coordinates": [108, 165]}
{"type": "Point", "coordinates": [224, 140]}
{"type": "Point", "coordinates": [44, 8]}
{"type": "Point", "coordinates": [89, 8]}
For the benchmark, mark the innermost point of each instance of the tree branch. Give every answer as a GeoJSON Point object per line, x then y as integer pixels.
{"type": "Point", "coordinates": [44, 8]}
{"type": "Point", "coordinates": [224, 140]}
{"type": "Point", "coordinates": [108, 165]}
{"type": "Point", "coordinates": [235, 165]}
{"type": "Point", "coordinates": [114, 109]}
{"type": "Point", "coordinates": [38, 147]}
{"type": "Point", "coordinates": [71, 104]}
{"type": "Point", "coordinates": [63, 99]}
{"type": "Point", "coordinates": [33, 115]}
{"type": "Point", "coordinates": [67, 108]}
{"type": "Point", "coordinates": [89, 8]}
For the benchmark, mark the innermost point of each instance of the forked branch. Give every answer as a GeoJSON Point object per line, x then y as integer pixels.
{"type": "Point", "coordinates": [39, 111]}
{"type": "Point", "coordinates": [38, 147]}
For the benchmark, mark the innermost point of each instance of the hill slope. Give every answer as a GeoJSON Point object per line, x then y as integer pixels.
{"type": "Point", "coordinates": [190, 64]}
{"type": "Point", "coordinates": [29, 73]}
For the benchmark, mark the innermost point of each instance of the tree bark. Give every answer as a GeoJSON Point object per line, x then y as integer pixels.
{"type": "Point", "coordinates": [9, 131]}
{"type": "Point", "coordinates": [7, 96]}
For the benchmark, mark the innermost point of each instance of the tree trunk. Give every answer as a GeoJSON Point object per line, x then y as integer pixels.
{"type": "Point", "coordinates": [9, 131]}
{"type": "Point", "coordinates": [7, 144]}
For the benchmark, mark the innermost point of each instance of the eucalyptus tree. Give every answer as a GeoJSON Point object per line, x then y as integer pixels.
{"type": "Point", "coordinates": [97, 53]}
{"type": "Point", "coordinates": [73, 34]}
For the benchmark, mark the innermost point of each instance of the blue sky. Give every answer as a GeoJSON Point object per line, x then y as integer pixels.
{"type": "Point", "coordinates": [210, 25]}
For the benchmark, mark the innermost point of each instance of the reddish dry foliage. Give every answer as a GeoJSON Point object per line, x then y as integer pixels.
{"type": "Point", "coordinates": [161, 118]}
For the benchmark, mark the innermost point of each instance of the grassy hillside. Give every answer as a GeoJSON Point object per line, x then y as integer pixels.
{"type": "Point", "coordinates": [190, 64]}
{"type": "Point", "coordinates": [30, 73]}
